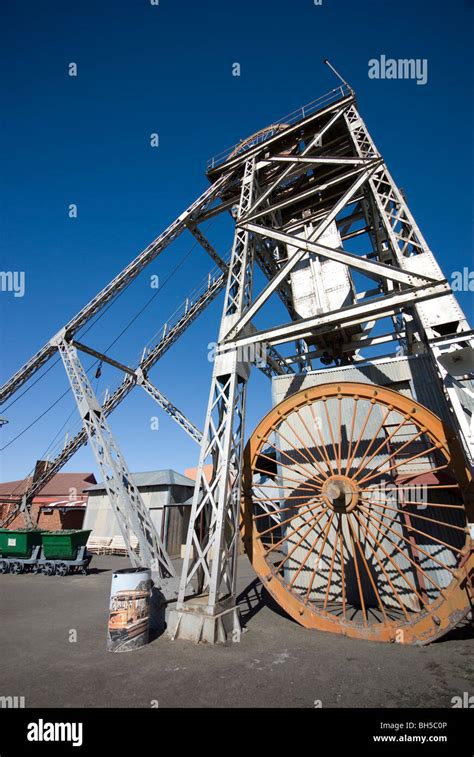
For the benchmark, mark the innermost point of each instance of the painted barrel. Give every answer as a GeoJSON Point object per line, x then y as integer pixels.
{"type": "Point", "coordinates": [129, 612]}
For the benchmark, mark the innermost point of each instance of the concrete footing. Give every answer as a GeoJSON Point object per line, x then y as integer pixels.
{"type": "Point", "coordinates": [195, 621]}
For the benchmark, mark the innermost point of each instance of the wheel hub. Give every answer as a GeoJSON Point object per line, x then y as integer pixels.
{"type": "Point", "coordinates": [340, 493]}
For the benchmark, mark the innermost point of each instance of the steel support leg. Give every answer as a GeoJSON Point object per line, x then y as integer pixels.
{"type": "Point", "coordinates": [132, 515]}
{"type": "Point", "coordinates": [213, 538]}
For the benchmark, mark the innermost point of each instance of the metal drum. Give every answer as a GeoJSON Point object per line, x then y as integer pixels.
{"type": "Point", "coordinates": [129, 617]}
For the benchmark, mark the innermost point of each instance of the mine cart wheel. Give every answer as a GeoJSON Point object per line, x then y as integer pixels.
{"type": "Point", "coordinates": [48, 569]}
{"type": "Point", "coordinates": [17, 568]}
{"type": "Point", "coordinates": [4, 566]}
{"type": "Point", "coordinates": [62, 569]}
{"type": "Point", "coordinates": [355, 514]}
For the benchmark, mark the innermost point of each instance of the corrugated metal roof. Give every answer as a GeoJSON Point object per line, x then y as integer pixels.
{"type": "Point", "coordinates": [152, 478]}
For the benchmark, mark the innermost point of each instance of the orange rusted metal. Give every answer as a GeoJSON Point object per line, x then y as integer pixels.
{"type": "Point", "coordinates": [340, 526]}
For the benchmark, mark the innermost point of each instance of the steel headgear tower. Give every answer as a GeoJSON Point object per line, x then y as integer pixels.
{"type": "Point", "coordinates": [354, 492]}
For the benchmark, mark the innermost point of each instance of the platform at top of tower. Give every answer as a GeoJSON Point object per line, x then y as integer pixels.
{"type": "Point", "coordinates": [276, 129]}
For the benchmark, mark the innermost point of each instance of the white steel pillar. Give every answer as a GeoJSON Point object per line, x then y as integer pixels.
{"type": "Point", "coordinates": [213, 537]}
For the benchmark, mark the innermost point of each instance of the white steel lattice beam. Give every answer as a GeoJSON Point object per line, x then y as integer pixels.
{"type": "Point", "coordinates": [403, 239]}
{"type": "Point", "coordinates": [212, 542]}
{"type": "Point", "coordinates": [376, 308]}
{"type": "Point", "coordinates": [132, 515]}
{"type": "Point", "coordinates": [315, 141]}
{"type": "Point", "coordinates": [292, 262]}
{"type": "Point", "coordinates": [169, 408]}
{"type": "Point", "coordinates": [373, 269]}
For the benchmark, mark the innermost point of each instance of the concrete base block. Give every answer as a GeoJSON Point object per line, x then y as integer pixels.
{"type": "Point", "coordinates": [195, 622]}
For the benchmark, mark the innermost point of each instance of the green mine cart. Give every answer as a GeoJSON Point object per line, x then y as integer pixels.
{"type": "Point", "coordinates": [19, 543]}
{"type": "Point", "coordinates": [63, 545]}
{"type": "Point", "coordinates": [49, 552]}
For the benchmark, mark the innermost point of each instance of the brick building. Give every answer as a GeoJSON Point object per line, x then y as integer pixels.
{"type": "Point", "coordinates": [60, 505]}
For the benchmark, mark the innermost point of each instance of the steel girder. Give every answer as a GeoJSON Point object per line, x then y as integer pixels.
{"type": "Point", "coordinates": [286, 269]}
{"type": "Point", "coordinates": [374, 309]}
{"type": "Point", "coordinates": [130, 511]}
{"type": "Point", "coordinates": [409, 250]}
{"type": "Point", "coordinates": [170, 409]}
{"type": "Point", "coordinates": [211, 557]}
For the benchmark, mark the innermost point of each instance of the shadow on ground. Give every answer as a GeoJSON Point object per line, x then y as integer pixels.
{"type": "Point", "coordinates": [253, 599]}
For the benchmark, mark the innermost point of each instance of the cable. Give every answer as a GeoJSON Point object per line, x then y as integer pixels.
{"type": "Point", "coordinates": [19, 396]}
{"type": "Point", "coordinates": [27, 428]}
{"type": "Point", "coordinates": [38, 418]}
{"type": "Point", "coordinates": [160, 288]}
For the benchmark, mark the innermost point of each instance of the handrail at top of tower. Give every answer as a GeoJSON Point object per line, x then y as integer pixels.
{"type": "Point", "coordinates": [286, 121]}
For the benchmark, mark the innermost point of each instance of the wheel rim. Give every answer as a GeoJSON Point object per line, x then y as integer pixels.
{"type": "Point", "coordinates": [331, 524]}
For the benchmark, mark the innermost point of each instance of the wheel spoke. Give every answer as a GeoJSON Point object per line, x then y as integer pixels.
{"type": "Point", "coordinates": [403, 575]}
{"type": "Point", "coordinates": [397, 451]}
{"type": "Point", "coordinates": [339, 424]}
{"type": "Point", "coordinates": [403, 462]}
{"type": "Point", "coordinates": [356, 566]}
{"type": "Point", "coordinates": [314, 523]}
{"type": "Point", "coordinates": [308, 553]}
{"type": "Point", "coordinates": [288, 478]}
{"type": "Point", "coordinates": [282, 499]}
{"type": "Point", "coordinates": [318, 558]}
{"type": "Point", "coordinates": [288, 520]}
{"type": "Point", "coordinates": [312, 461]}
{"type": "Point", "coordinates": [423, 533]}
{"type": "Point", "coordinates": [343, 577]}
{"type": "Point", "coordinates": [379, 503]}
{"type": "Point", "coordinates": [282, 486]}
{"type": "Point", "coordinates": [314, 442]}
{"type": "Point", "coordinates": [320, 437]}
{"type": "Point", "coordinates": [416, 565]}
{"type": "Point", "coordinates": [359, 439]}
{"type": "Point", "coordinates": [375, 436]}
{"type": "Point", "coordinates": [287, 467]}
{"type": "Point", "coordinates": [367, 569]}
{"type": "Point", "coordinates": [328, 588]}
{"type": "Point", "coordinates": [276, 511]}
{"type": "Point", "coordinates": [331, 434]}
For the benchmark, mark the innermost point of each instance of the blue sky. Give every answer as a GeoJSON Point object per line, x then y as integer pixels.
{"type": "Point", "coordinates": [168, 69]}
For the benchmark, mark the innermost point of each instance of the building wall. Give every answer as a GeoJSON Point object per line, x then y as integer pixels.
{"type": "Point", "coordinates": [391, 372]}
{"type": "Point", "coordinates": [170, 521]}
{"type": "Point", "coordinates": [54, 520]}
